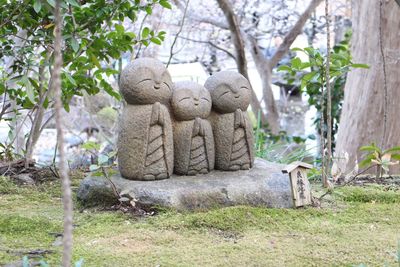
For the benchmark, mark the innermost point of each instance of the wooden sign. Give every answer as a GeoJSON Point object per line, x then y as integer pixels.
{"type": "Point", "coordinates": [301, 189]}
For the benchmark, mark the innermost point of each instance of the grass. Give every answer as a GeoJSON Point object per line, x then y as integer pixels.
{"type": "Point", "coordinates": [354, 226]}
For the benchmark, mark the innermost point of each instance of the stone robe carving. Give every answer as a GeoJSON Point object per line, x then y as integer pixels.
{"type": "Point", "coordinates": [193, 137]}
{"type": "Point", "coordinates": [145, 144]}
{"type": "Point", "coordinates": [233, 133]}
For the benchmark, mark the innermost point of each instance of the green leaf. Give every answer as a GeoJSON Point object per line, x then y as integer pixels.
{"type": "Point", "coordinates": [296, 63]}
{"type": "Point", "coordinates": [370, 148]}
{"type": "Point", "coordinates": [2, 88]}
{"type": "Point", "coordinates": [51, 2]}
{"type": "Point", "coordinates": [90, 145]}
{"type": "Point", "coordinates": [94, 60]}
{"type": "Point", "coordinates": [363, 66]}
{"type": "Point", "coordinates": [305, 65]}
{"type": "Point", "coordinates": [391, 150]}
{"type": "Point", "coordinates": [148, 10]}
{"type": "Point", "coordinates": [297, 49]}
{"type": "Point", "coordinates": [102, 159]}
{"type": "Point", "coordinates": [73, 3]}
{"type": "Point", "coordinates": [165, 4]}
{"type": "Point", "coordinates": [37, 6]}
{"type": "Point", "coordinates": [74, 44]}
{"type": "Point", "coordinates": [111, 172]}
{"type": "Point", "coordinates": [309, 76]}
{"type": "Point", "coordinates": [155, 40]}
{"type": "Point", "coordinates": [364, 163]}
{"type": "Point", "coordinates": [145, 32]}
{"type": "Point", "coordinates": [112, 154]}
{"type": "Point", "coordinates": [93, 167]}
{"type": "Point", "coordinates": [284, 68]}
{"type": "Point", "coordinates": [145, 42]}
{"type": "Point", "coordinates": [70, 79]}
{"type": "Point", "coordinates": [97, 174]}
{"type": "Point", "coordinates": [108, 88]}
{"type": "Point", "coordinates": [119, 28]}
{"type": "Point", "coordinates": [396, 156]}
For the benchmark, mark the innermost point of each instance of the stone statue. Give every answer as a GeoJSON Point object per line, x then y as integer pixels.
{"type": "Point", "coordinates": [145, 145]}
{"type": "Point", "coordinates": [193, 136]}
{"type": "Point", "coordinates": [233, 133]}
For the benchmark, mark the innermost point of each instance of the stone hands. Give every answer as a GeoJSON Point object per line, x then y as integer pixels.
{"type": "Point", "coordinates": [157, 115]}
{"type": "Point", "coordinates": [199, 127]}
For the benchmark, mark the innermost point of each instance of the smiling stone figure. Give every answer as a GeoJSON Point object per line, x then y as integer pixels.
{"type": "Point", "coordinates": [233, 135]}
{"type": "Point", "coordinates": [193, 137]}
{"type": "Point", "coordinates": [145, 145]}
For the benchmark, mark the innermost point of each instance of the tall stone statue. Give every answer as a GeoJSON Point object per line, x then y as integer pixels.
{"type": "Point", "coordinates": [145, 145]}
{"type": "Point", "coordinates": [193, 137]}
{"type": "Point", "coordinates": [233, 133]}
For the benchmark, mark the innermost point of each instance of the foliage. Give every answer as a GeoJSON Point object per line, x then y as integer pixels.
{"type": "Point", "coordinates": [311, 76]}
{"type": "Point", "coordinates": [383, 159]}
{"type": "Point", "coordinates": [94, 35]}
{"type": "Point", "coordinates": [284, 153]}
{"type": "Point", "coordinates": [373, 193]}
{"type": "Point", "coordinates": [280, 148]}
{"type": "Point", "coordinates": [105, 161]}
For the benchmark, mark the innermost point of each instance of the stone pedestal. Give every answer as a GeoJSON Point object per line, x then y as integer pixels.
{"type": "Point", "coordinates": [263, 185]}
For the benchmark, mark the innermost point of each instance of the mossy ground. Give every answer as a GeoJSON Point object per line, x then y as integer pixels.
{"type": "Point", "coordinates": [355, 225]}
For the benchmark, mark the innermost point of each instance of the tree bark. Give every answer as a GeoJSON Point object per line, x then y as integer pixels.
{"type": "Point", "coordinates": [265, 72]}
{"type": "Point", "coordinates": [363, 117]}
{"type": "Point", "coordinates": [283, 49]}
{"type": "Point", "coordinates": [66, 184]}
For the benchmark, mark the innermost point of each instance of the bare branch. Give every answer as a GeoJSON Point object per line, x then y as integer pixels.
{"type": "Point", "coordinates": [201, 19]}
{"type": "Point", "coordinates": [211, 44]}
{"type": "Point", "coordinates": [171, 54]}
{"type": "Point", "coordinates": [283, 49]}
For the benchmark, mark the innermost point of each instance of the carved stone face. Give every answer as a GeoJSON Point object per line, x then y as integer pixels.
{"type": "Point", "coordinates": [229, 91]}
{"type": "Point", "coordinates": [145, 81]}
{"type": "Point", "coordinates": [190, 100]}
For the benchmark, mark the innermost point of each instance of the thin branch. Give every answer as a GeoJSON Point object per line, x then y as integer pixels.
{"type": "Point", "coordinates": [140, 32]}
{"type": "Point", "coordinates": [211, 44]}
{"type": "Point", "coordinates": [171, 54]}
{"type": "Point", "coordinates": [328, 93]}
{"type": "Point", "coordinates": [47, 122]}
{"type": "Point", "coordinates": [202, 19]}
{"type": "Point", "coordinates": [349, 181]}
{"type": "Point", "coordinates": [385, 88]}
{"type": "Point", "coordinates": [294, 32]}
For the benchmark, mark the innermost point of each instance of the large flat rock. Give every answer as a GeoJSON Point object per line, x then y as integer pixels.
{"type": "Point", "coordinates": [263, 185]}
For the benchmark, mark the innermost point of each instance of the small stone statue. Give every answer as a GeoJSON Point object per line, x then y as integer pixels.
{"type": "Point", "coordinates": [145, 145]}
{"type": "Point", "coordinates": [233, 134]}
{"type": "Point", "coordinates": [193, 137]}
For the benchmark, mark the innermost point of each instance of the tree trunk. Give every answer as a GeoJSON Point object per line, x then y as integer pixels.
{"type": "Point", "coordinates": [363, 118]}
{"type": "Point", "coordinates": [66, 184]}
{"type": "Point", "coordinates": [265, 72]}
